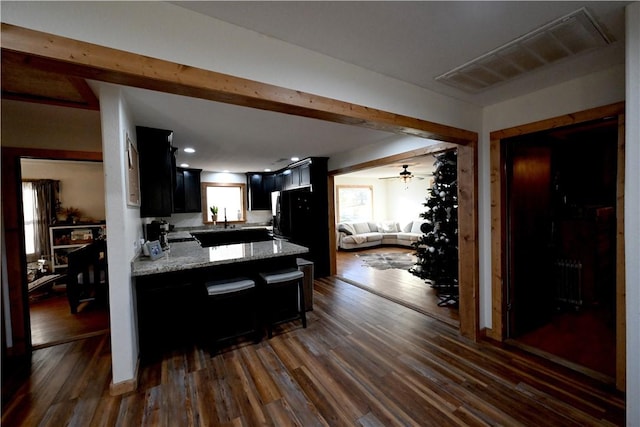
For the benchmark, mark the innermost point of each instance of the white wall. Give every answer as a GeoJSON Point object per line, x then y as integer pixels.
{"type": "Point", "coordinates": [124, 232]}
{"type": "Point", "coordinates": [81, 183]}
{"type": "Point", "coordinates": [395, 144]}
{"type": "Point", "coordinates": [391, 200]}
{"type": "Point", "coordinates": [632, 212]}
{"type": "Point", "coordinates": [56, 128]}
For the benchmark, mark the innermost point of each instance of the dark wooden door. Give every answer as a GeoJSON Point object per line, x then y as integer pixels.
{"type": "Point", "coordinates": [529, 235]}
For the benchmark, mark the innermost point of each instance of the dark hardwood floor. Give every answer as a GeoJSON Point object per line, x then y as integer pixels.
{"type": "Point", "coordinates": [585, 338]}
{"type": "Point", "coordinates": [394, 284]}
{"type": "Point", "coordinates": [52, 322]}
{"type": "Point", "coordinates": [363, 360]}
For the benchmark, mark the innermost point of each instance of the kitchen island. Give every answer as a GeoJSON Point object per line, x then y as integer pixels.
{"type": "Point", "coordinates": [171, 292]}
{"type": "Point", "coordinates": [190, 255]}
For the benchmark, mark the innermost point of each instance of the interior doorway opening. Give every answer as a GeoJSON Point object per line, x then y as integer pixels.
{"type": "Point", "coordinates": [391, 201]}
{"type": "Point", "coordinates": [70, 217]}
{"type": "Point", "coordinates": [561, 242]}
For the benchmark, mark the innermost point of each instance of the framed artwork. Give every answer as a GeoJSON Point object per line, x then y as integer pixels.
{"type": "Point", "coordinates": [155, 250]}
{"type": "Point", "coordinates": [133, 174]}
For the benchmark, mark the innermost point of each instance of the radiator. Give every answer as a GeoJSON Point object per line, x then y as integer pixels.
{"type": "Point", "coordinates": [568, 281]}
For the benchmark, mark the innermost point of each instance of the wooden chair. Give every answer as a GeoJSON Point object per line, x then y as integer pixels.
{"type": "Point", "coordinates": [87, 274]}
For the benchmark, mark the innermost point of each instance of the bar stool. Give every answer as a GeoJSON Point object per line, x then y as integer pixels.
{"type": "Point", "coordinates": [227, 298]}
{"type": "Point", "coordinates": [282, 279]}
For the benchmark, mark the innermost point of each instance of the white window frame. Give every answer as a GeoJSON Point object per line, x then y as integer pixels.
{"type": "Point", "coordinates": [232, 209]}
{"type": "Point", "coordinates": [341, 208]}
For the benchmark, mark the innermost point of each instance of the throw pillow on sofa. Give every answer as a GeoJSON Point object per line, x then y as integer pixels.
{"type": "Point", "coordinates": [388, 227]}
{"type": "Point", "coordinates": [346, 229]}
{"type": "Point", "coordinates": [362, 227]}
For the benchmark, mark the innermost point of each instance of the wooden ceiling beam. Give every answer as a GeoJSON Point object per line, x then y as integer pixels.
{"type": "Point", "coordinates": [90, 61]}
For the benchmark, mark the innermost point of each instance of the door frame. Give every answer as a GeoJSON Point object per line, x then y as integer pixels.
{"type": "Point", "coordinates": [499, 244]}
{"type": "Point", "coordinates": [468, 258]}
{"type": "Point", "coordinates": [14, 232]}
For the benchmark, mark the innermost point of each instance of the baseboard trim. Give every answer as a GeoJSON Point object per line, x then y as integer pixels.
{"type": "Point", "coordinates": [128, 386]}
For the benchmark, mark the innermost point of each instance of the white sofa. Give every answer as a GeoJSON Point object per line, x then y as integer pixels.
{"type": "Point", "coordinates": [359, 235]}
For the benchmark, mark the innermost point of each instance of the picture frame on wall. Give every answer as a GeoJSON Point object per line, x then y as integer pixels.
{"type": "Point", "coordinates": [155, 250]}
{"type": "Point", "coordinates": [133, 174]}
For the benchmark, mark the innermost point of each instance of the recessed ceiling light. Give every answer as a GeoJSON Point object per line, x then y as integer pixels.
{"type": "Point", "coordinates": [189, 150]}
{"type": "Point", "coordinates": [295, 159]}
{"type": "Point", "coordinates": [267, 170]}
{"type": "Point", "coordinates": [184, 165]}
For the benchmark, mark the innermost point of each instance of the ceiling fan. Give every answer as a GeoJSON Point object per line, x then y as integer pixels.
{"type": "Point", "coordinates": [404, 175]}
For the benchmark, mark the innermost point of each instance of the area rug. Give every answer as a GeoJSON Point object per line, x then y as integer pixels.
{"type": "Point", "coordinates": [386, 261]}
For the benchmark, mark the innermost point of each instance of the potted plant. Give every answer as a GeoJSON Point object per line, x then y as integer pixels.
{"type": "Point", "coordinates": [214, 213]}
{"type": "Point", "coordinates": [72, 214]}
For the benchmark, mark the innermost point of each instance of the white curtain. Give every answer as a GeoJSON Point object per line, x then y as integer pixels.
{"type": "Point", "coordinates": [39, 207]}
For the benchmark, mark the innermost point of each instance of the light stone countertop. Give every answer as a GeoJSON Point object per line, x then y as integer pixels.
{"type": "Point", "coordinates": [189, 255]}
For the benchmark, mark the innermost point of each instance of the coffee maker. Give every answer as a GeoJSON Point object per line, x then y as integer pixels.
{"type": "Point", "coordinates": [158, 230]}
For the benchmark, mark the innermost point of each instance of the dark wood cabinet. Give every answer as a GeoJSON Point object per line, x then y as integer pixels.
{"type": "Point", "coordinates": [278, 185]}
{"type": "Point", "coordinates": [186, 195]}
{"type": "Point", "coordinates": [304, 208]}
{"type": "Point", "coordinates": [157, 171]}
{"type": "Point", "coordinates": [304, 174]}
{"type": "Point", "coordinates": [260, 187]}
{"type": "Point", "coordinates": [294, 176]}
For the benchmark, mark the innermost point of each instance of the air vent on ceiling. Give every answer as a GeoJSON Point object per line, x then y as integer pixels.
{"type": "Point", "coordinates": [570, 35]}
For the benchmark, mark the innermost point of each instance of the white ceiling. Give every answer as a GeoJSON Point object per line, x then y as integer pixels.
{"type": "Point", "coordinates": [410, 41]}
{"type": "Point", "coordinates": [241, 139]}
{"type": "Point", "coordinates": [418, 40]}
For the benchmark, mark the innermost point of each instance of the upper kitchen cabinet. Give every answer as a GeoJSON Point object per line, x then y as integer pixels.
{"type": "Point", "coordinates": [298, 174]}
{"type": "Point", "coordinates": [186, 196]}
{"type": "Point", "coordinates": [157, 171]}
{"type": "Point", "coordinates": [260, 187]}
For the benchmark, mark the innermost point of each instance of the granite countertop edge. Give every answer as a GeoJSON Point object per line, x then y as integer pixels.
{"type": "Point", "coordinates": [189, 255]}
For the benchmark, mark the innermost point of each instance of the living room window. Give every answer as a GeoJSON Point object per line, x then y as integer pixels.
{"type": "Point", "coordinates": [227, 198]}
{"type": "Point", "coordinates": [355, 203]}
{"type": "Point", "coordinates": [30, 217]}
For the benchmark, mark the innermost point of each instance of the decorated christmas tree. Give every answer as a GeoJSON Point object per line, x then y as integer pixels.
{"type": "Point", "coordinates": [437, 249]}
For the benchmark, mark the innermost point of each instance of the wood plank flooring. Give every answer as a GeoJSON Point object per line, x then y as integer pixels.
{"type": "Point", "coordinates": [363, 360]}
{"type": "Point", "coordinates": [394, 284]}
{"type": "Point", "coordinates": [52, 322]}
{"type": "Point", "coordinates": [585, 338]}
